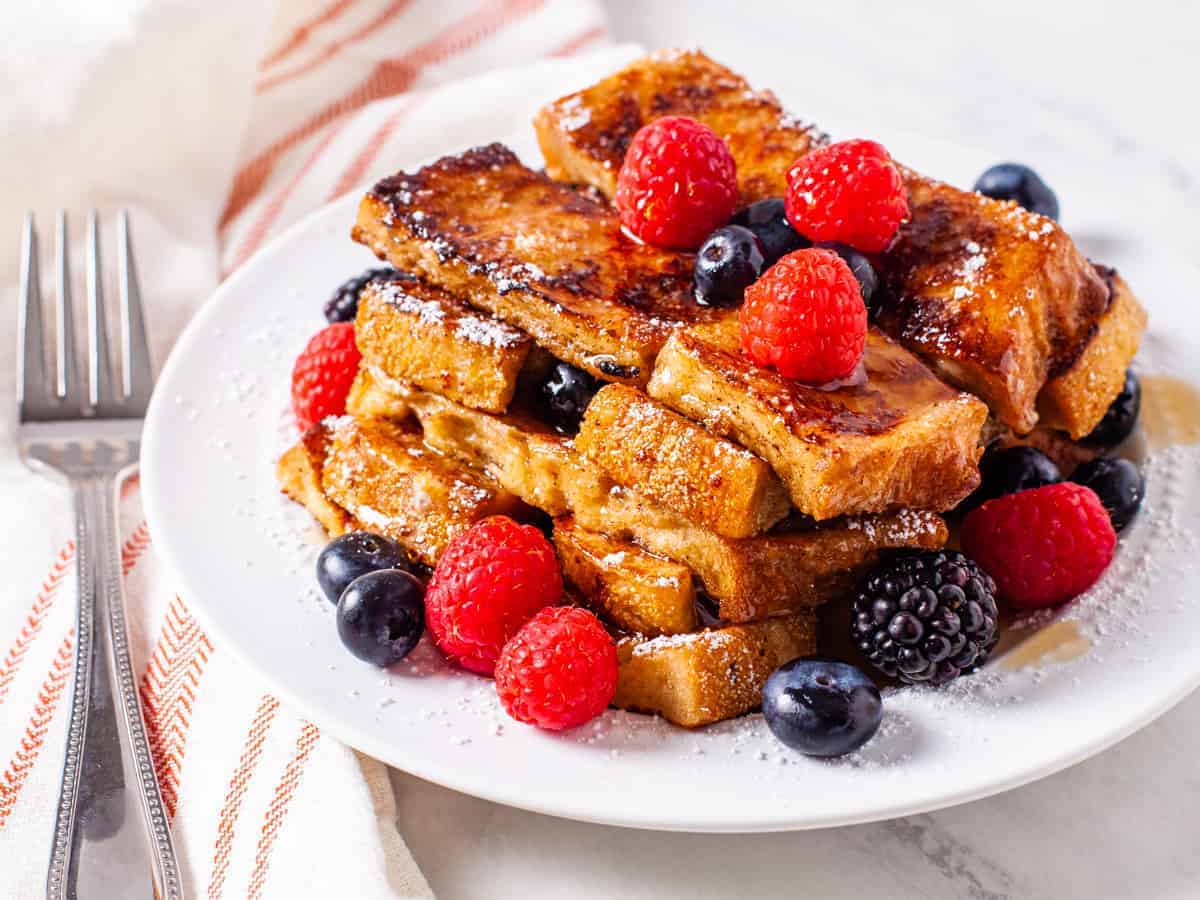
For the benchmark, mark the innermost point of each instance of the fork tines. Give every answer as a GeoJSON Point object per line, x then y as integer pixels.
{"type": "Point", "coordinates": [66, 395]}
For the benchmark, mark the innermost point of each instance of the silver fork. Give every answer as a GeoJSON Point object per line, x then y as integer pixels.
{"type": "Point", "coordinates": [87, 431]}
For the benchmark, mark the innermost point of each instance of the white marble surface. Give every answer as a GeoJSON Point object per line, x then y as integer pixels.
{"type": "Point", "coordinates": [1104, 91]}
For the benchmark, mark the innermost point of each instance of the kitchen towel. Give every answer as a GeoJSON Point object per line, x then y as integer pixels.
{"type": "Point", "coordinates": [217, 125]}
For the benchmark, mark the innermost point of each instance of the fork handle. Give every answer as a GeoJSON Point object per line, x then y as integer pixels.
{"type": "Point", "coordinates": [100, 842]}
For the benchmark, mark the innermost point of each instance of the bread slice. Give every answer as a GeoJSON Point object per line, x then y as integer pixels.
{"type": "Point", "coordinates": [999, 301]}
{"type": "Point", "coordinates": [519, 452]}
{"type": "Point", "coordinates": [642, 445]}
{"type": "Point", "coordinates": [536, 254]}
{"type": "Point", "coordinates": [299, 475]}
{"type": "Point", "coordinates": [381, 473]}
{"type": "Point", "coordinates": [1076, 399]}
{"type": "Point", "coordinates": [707, 676]}
{"type": "Point", "coordinates": [755, 577]}
{"type": "Point", "coordinates": [634, 590]}
{"type": "Point", "coordinates": [416, 332]}
{"type": "Point", "coordinates": [900, 438]}
{"type": "Point", "coordinates": [996, 298]}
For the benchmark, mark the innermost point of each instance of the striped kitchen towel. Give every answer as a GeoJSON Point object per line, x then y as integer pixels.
{"type": "Point", "coordinates": [157, 111]}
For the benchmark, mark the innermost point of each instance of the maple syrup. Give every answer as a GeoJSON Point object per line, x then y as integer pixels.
{"type": "Point", "coordinates": [1057, 643]}
{"type": "Point", "coordinates": [1170, 411]}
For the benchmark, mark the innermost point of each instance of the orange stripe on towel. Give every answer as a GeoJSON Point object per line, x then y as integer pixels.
{"type": "Point", "coordinates": [34, 619]}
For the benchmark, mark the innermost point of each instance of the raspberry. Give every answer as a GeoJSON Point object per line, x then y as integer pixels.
{"type": "Point", "coordinates": [1042, 546]}
{"type": "Point", "coordinates": [850, 192]}
{"type": "Point", "coordinates": [490, 580]}
{"type": "Point", "coordinates": [805, 316]}
{"type": "Point", "coordinates": [678, 182]}
{"type": "Point", "coordinates": [559, 671]}
{"type": "Point", "coordinates": [323, 373]}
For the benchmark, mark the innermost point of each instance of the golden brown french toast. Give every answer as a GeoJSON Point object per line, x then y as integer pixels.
{"type": "Point", "coordinates": [1076, 398]}
{"type": "Point", "coordinates": [636, 591]}
{"type": "Point", "coordinates": [536, 254]}
{"type": "Point", "coordinates": [674, 462]}
{"type": "Point", "coordinates": [522, 454]}
{"type": "Point", "coordinates": [998, 300]}
{"type": "Point", "coordinates": [707, 676]}
{"type": "Point", "coordinates": [382, 474]}
{"type": "Point", "coordinates": [584, 135]}
{"type": "Point", "coordinates": [750, 578]}
{"type": "Point", "coordinates": [299, 474]}
{"type": "Point", "coordinates": [901, 438]}
{"type": "Point", "coordinates": [411, 330]}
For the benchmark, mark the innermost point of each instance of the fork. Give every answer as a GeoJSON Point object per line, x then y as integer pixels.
{"type": "Point", "coordinates": [87, 432]}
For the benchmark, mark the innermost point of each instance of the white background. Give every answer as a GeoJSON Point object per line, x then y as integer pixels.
{"type": "Point", "coordinates": [1103, 91]}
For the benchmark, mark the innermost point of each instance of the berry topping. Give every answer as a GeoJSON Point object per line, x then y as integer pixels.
{"type": "Point", "coordinates": [347, 557]}
{"type": "Point", "coordinates": [805, 317]}
{"type": "Point", "coordinates": [1013, 181]}
{"type": "Point", "coordinates": [1121, 416]}
{"type": "Point", "coordinates": [851, 192]}
{"type": "Point", "coordinates": [381, 616]}
{"type": "Point", "coordinates": [926, 616]}
{"type": "Point", "coordinates": [1119, 485]}
{"type": "Point", "coordinates": [1010, 470]}
{"type": "Point", "coordinates": [343, 305]}
{"type": "Point", "coordinates": [678, 182]}
{"type": "Point", "coordinates": [1043, 546]}
{"type": "Point", "coordinates": [490, 581]}
{"type": "Point", "coordinates": [821, 707]}
{"type": "Point", "coordinates": [864, 272]}
{"type": "Point", "coordinates": [768, 220]}
{"type": "Point", "coordinates": [729, 261]}
{"type": "Point", "coordinates": [323, 374]}
{"type": "Point", "coordinates": [559, 671]}
{"type": "Point", "coordinates": [565, 394]}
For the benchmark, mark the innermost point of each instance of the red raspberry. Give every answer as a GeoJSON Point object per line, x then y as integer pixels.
{"type": "Point", "coordinates": [323, 374]}
{"type": "Point", "coordinates": [490, 580]}
{"type": "Point", "coordinates": [678, 182]}
{"type": "Point", "coordinates": [1042, 546]}
{"type": "Point", "coordinates": [805, 316]}
{"type": "Point", "coordinates": [850, 192]}
{"type": "Point", "coordinates": [559, 671]}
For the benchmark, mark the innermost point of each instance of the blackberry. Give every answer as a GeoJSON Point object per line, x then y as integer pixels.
{"type": "Point", "coordinates": [343, 305]}
{"type": "Point", "coordinates": [926, 616]}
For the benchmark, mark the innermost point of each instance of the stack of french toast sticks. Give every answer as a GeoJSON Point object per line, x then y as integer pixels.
{"type": "Point", "coordinates": [705, 506]}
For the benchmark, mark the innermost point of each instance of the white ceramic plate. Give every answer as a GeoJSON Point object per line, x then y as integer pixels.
{"type": "Point", "coordinates": [244, 556]}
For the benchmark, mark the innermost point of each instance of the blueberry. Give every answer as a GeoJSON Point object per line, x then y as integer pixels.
{"type": "Point", "coordinates": [729, 261]}
{"type": "Point", "coordinates": [1011, 470]}
{"type": "Point", "coordinates": [1013, 181]}
{"type": "Point", "coordinates": [821, 707]}
{"type": "Point", "coordinates": [347, 557]}
{"type": "Point", "coordinates": [1118, 422]}
{"type": "Point", "coordinates": [1118, 483]}
{"type": "Point", "coordinates": [381, 616]}
{"type": "Point", "coordinates": [565, 394]}
{"type": "Point", "coordinates": [868, 281]}
{"type": "Point", "coordinates": [343, 305]}
{"type": "Point", "coordinates": [768, 220]}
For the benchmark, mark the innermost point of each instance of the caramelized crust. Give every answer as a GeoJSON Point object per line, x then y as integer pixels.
{"type": "Point", "coordinates": [410, 330]}
{"type": "Point", "coordinates": [536, 254]}
{"type": "Point", "coordinates": [901, 438]}
{"type": "Point", "coordinates": [998, 300]}
{"type": "Point", "coordinates": [755, 577]}
{"type": "Point", "coordinates": [382, 474]}
{"type": "Point", "coordinates": [674, 462]}
{"type": "Point", "coordinates": [634, 590]}
{"type": "Point", "coordinates": [1076, 399]}
{"type": "Point", "coordinates": [584, 135]}
{"type": "Point", "coordinates": [705, 677]}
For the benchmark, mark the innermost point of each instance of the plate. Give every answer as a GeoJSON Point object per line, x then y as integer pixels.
{"type": "Point", "coordinates": [1074, 683]}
